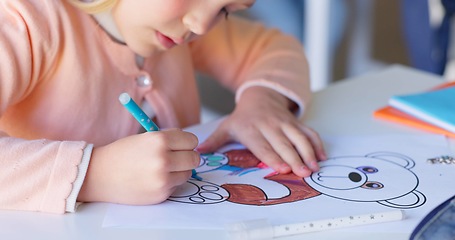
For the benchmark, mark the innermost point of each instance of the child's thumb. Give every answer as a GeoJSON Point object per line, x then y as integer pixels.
{"type": "Point", "coordinates": [217, 139]}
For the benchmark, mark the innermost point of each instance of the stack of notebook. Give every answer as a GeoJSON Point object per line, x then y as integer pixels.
{"type": "Point", "coordinates": [432, 111]}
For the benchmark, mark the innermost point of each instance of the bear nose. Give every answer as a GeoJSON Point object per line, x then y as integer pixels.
{"type": "Point", "coordinates": [355, 177]}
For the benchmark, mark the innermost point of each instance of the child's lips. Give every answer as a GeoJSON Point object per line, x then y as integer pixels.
{"type": "Point", "coordinates": [166, 41]}
{"type": "Point", "coordinates": [178, 40]}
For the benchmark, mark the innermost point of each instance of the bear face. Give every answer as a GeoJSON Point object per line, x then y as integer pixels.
{"type": "Point", "coordinates": [363, 179]}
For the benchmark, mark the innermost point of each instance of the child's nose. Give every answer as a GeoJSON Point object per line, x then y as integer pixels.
{"type": "Point", "coordinates": [199, 24]}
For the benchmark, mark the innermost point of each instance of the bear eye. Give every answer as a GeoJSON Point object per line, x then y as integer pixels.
{"type": "Point", "coordinates": [373, 185]}
{"type": "Point", "coordinates": [367, 169]}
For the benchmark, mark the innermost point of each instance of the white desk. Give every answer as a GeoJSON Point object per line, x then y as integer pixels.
{"type": "Point", "coordinates": [346, 106]}
{"type": "Point", "coordinates": [343, 108]}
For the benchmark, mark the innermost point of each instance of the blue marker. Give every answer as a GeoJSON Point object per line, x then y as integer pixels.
{"type": "Point", "coordinates": [137, 112]}
{"type": "Point", "coordinates": [194, 175]}
{"type": "Point", "coordinates": [143, 119]}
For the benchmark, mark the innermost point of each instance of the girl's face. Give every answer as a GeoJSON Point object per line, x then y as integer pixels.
{"type": "Point", "coordinates": [150, 26]}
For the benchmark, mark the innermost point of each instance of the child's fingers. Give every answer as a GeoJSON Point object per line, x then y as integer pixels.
{"type": "Point", "coordinates": [183, 161]}
{"type": "Point", "coordinates": [179, 178]}
{"type": "Point", "coordinates": [264, 151]}
{"type": "Point", "coordinates": [316, 142]}
{"type": "Point", "coordinates": [301, 162]}
{"type": "Point", "coordinates": [217, 139]}
{"type": "Point", "coordinates": [302, 146]}
{"type": "Point", "coordinates": [174, 139]}
{"type": "Point", "coordinates": [161, 188]}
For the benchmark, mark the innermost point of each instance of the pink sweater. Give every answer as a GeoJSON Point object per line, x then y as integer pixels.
{"type": "Point", "coordinates": [61, 75]}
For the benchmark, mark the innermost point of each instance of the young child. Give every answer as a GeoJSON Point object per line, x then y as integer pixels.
{"type": "Point", "coordinates": [64, 136]}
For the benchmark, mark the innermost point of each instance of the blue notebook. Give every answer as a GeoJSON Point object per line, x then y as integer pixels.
{"type": "Point", "coordinates": [436, 107]}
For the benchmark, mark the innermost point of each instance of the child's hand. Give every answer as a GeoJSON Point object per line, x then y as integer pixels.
{"type": "Point", "coordinates": [262, 122]}
{"type": "Point", "coordinates": [140, 169]}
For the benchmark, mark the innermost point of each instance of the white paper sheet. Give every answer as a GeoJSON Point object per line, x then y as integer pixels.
{"type": "Point", "coordinates": [365, 174]}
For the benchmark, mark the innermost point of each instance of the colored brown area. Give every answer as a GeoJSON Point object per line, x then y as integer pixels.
{"type": "Point", "coordinates": [252, 195]}
{"type": "Point", "coordinates": [242, 158]}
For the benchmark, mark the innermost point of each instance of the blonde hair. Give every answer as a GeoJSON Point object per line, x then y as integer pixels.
{"type": "Point", "coordinates": [95, 6]}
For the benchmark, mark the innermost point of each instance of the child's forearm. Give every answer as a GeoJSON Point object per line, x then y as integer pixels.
{"type": "Point", "coordinates": [257, 95]}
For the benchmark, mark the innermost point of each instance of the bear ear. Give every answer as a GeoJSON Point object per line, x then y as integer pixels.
{"type": "Point", "coordinates": [411, 200]}
{"type": "Point", "coordinates": [397, 158]}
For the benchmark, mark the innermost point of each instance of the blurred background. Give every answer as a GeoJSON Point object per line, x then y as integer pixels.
{"type": "Point", "coordinates": [345, 38]}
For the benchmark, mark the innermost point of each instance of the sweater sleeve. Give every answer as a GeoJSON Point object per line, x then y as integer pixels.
{"type": "Point", "coordinates": [242, 54]}
{"type": "Point", "coordinates": [27, 49]}
{"type": "Point", "coordinates": [36, 174]}
{"type": "Point", "coordinates": [71, 201]}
